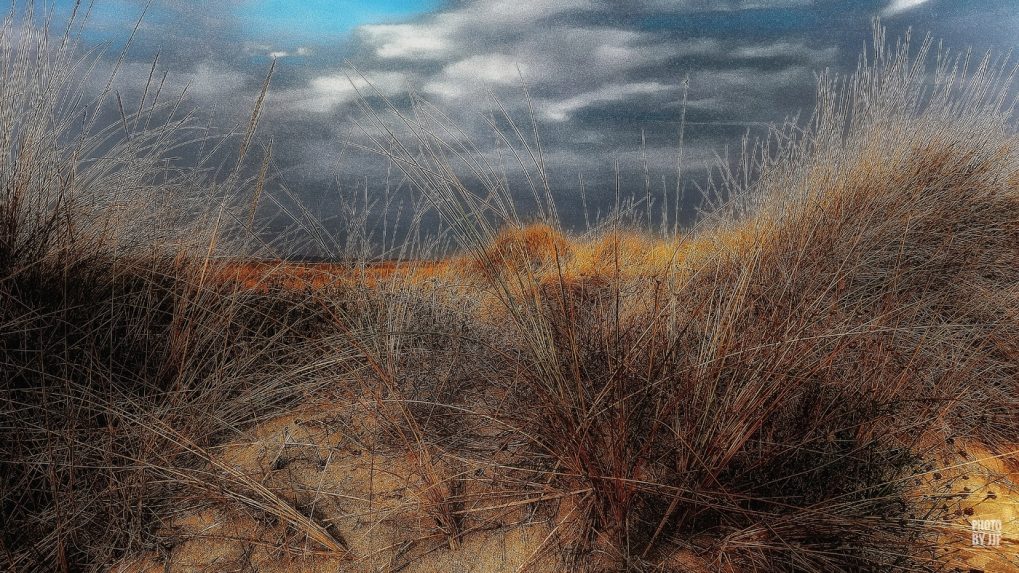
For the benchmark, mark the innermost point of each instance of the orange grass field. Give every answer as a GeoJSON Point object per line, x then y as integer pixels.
{"type": "Point", "coordinates": [550, 253]}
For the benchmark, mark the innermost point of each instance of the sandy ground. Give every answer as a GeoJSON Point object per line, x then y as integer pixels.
{"type": "Point", "coordinates": [379, 509]}
{"type": "Point", "coordinates": [978, 486]}
{"type": "Point", "coordinates": [376, 505]}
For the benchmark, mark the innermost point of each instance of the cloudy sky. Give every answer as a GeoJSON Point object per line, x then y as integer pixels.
{"type": "Point", "coordinates": [599, 72]}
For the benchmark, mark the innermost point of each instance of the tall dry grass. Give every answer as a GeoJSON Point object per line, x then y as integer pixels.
{"type": "Point", "coordinates": [123, 357]}
{"type": "Point", "coordinates": [770, 391]}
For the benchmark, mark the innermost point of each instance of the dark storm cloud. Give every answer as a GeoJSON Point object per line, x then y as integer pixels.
{"type": "Point", "coordinates": [601, 74]}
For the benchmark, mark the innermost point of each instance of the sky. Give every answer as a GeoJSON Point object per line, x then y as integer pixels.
{"type": "Point", "coordinates": [602, 75]}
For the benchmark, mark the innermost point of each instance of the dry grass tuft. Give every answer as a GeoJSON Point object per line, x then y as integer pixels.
{"type": "Point", "coordinates": [529, 247]}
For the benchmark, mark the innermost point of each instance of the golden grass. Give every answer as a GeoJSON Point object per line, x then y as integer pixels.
{"type": "Point", "coordinates": [377, 499]}
{"type": "Point", "coordinates": [546, 254]}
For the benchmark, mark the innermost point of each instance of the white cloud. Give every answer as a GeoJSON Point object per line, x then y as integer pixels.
{"type": "Point", "coordinates": [473, 73]}
{"type": "Point", "coordinates": [450, 31]}
{"type": "Point", "coordinates": [715, 5]}
{"type": "Point", "coordinates": [209, 81]}
{"type": "Point", "coordinates": [325, 93]}
{"type": "Point", "coordinates": [899, 6]}
{"type": "Point", "coordinates": [299, 52]}
{"type": "Point", "coordinates": [787, 49]}
{"type": "Point", "coordinates": [562, 110]}
{"type": "Point", "coordinates": [494, 68]}
{"type": "Point", "coordinates": [503, 12]}
{"type": "Point", "coordinates": [408, 41]}
{"type": "Point", "coordinates": [625, 52]}
{"type": "Point", "coordinates": [446, 89]}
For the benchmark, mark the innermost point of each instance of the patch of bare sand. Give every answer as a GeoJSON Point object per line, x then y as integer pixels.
{"type": "Point", "coordinates": [375, 503]}
{"type": "Point", "coordinates": [980, 488]}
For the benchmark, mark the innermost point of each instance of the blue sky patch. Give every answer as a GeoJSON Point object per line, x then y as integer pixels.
{"type": "Point", "coordinates": [322, 20]}
{"type": "Point", "coordinates": [274, 22]}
